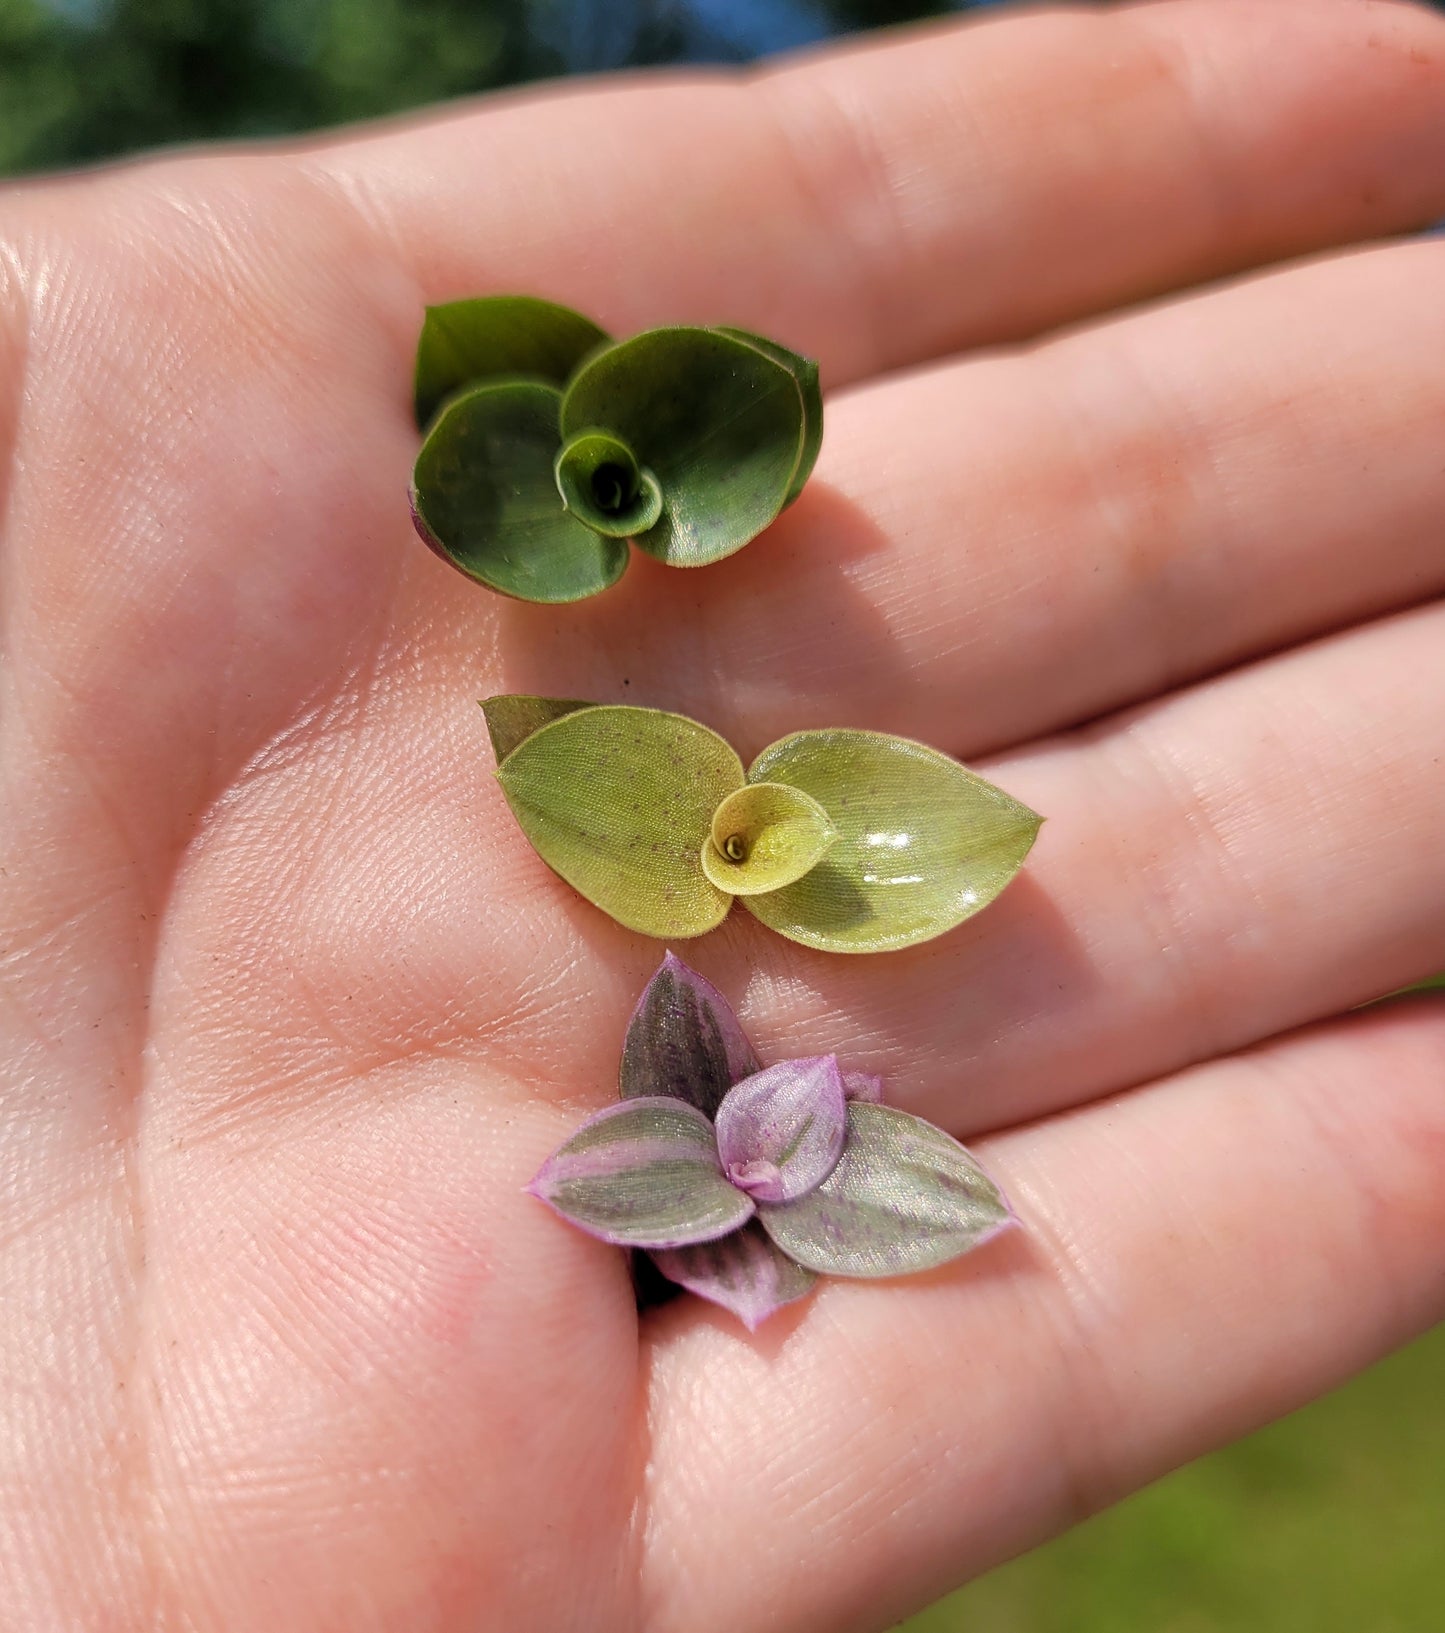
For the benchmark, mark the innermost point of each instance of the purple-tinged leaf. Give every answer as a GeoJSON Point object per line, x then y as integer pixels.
{"type": "Point", "coordinates": [744, 1272]}
{"type": "Point", "coordinates": [780, 1131]}
{"type": "Point", "coordinates": [684, 1041]}
{"type": "Point", "coordinates": [864, 1086]}
{"type": "Point", "coordinates": [643, 1174]}
{"type": "Point", "coordinates": [903, 1197]}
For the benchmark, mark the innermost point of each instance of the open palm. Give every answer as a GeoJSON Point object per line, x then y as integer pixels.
{"type": "Point", "coordinates": [291, 1012]}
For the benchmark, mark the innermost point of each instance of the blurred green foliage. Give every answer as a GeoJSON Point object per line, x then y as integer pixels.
{"type": "Point", "coordinates": [1332, 1521]}
{"type": "Point", "coordinates": [84, 79]}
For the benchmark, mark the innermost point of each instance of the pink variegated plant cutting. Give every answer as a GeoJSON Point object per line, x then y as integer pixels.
{"type": "Point", "coordinates": [745, 1183]}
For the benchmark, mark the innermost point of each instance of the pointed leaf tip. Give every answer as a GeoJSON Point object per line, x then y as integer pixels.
{"type": "Point", "coordinates": [866, 1086]}
{"type": "Point", "coordinates": [643, 1174]}
{"type": "Point", "coordinates": [465, 342]}
{"type": "Point", "coordinates": [684, 1040]}
{"type": "Point", "coordinates": [512, 717]}
{"type": "Point", "coordinates": [780, 1132]}
{"type": "Point", "coordinates": [923, 842]}
{"type": "Point", "coordinates": [743, 1272]}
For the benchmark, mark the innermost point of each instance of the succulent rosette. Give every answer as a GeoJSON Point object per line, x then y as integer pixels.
{"type": "Point", "coordinates": [548, 445]}
{"type": "Point", "coordinates": [745, 1183]}
{"type": "Point", "coordinates": [847, 841]}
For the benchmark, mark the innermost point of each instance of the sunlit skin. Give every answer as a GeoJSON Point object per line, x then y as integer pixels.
{"type": "Point", "coordinates": [291, 1011]}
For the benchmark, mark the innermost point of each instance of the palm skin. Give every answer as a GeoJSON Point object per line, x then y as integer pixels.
{"type": "Point", "coordinates": [291, 1011]}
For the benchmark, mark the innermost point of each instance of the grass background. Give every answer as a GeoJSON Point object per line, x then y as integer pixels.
{"type": "Point", "coordinates": [1330, 1522]}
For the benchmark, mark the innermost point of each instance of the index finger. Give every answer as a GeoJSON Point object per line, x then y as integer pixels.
{"type": "Point", "coordinates": [876, 206]}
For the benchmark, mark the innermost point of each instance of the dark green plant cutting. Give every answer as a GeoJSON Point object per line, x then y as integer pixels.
{"type": "Point", "coordinates": [548, 446]}
{"type": "Point", "coordinates": [745, 1183]}
{"type": "Point", "coordinates": [848, 841]}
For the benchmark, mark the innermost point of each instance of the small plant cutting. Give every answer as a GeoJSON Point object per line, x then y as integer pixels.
{"type": "Point", "coordinates": [847, 841]}
{"type": "Point", "coordinates": [745, 1183]}
{"type": "Point", "coordinates": [548, 445]}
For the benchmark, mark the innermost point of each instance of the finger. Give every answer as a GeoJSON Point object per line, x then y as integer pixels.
{"type": "Point", "coordinates": [1213, 869]}
{"type": "Point", "coordinates": [882, 205]}
{"type": "Point", "coordinates": [1217, 868]}
{"type": "Point", "coordinates": [1194, 1260]}
{"type": "Point", "coordinates": [1015, 543]}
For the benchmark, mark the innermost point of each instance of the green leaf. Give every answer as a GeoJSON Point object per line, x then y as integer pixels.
{"type": "Point", "coordinates": [512, 717]}
{"type": "Point", "coordinates": [923, 843]}
{"type": "Point", "coordinates": [618, 800]}
{"type": "Point", "coordinates": [643, 1174]}
{"type": "Point", "coordinates": [498, 336]}
{"type": "Point", "coordinates": [765, 836]}
{"type": "Point", "coordinates": [717, 421]}
{"type": "Point", "coordinates": [602, 484]}
{"type": "Point", "coordinates": [485, 498]}
{"type": "Point", "coordinates": [904, 1197]}
{"type": "Point", "coordinates": [805, 371]}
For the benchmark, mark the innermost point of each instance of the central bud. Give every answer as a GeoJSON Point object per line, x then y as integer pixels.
{"type": "Point", "coordinates": [604, 487]}
{"type": "Point", "coordinates": [614, 487]}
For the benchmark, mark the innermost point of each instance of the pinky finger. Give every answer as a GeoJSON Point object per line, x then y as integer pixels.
{"type": "Point", "coordinates": [1197, 1258]}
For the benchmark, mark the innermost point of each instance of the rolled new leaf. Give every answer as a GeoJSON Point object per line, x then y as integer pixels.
{"type": "Point", "coordinates": [764, 837]}
{"type": "Point", "coordinates": [484, 495]}
{"type": "Point", "coordinates": [685, 1041]}
{"type": "Point", "coordinates": [719, 422]}
{"type": "Point", "coordinates": [619, 800]}
{"type": "Point", "coordinates": [904, 1197]}
{"type": "Point", "coordinates": [602, 484]}
{"type": "Point", "coordinates": [780, 1132]}
{"type": "Point", "coordinates": [467, 342]}
{"type": "Point", "coordinates": [922, 842]}
{"type": "Point", "coordinates": [643, 1174]}
{"type": "Point", "coordinates": [743, 1272]}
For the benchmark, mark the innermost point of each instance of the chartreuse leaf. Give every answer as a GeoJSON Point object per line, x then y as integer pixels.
{"type": "Point", "coordinates": [805, 371]}
{"type": "Point", "coordinates": [718, 422]}
{"type": "Point", "coordinates": [923, 843]}
{"type": "Point", "coordinates": [643, 1174]}
{"type": "Point", "coordinates": [684, 1040]}
{"type": "Point", "coordinates": [743, 1272]}
{"type": "Point", "coordinates": [618, 800]}
{"type": "Point", "coordinates": [780, 1132]}
{"type": "Point", "coordinates": [765, 836]}
{"type": "Point", "coordinates": [512, 717]}
{"type": "Point", "coordinates": [466, 342]}
{"type": "Point", "coordinates": [602, 484]}
{"type": "Point", "coordinates": [485, 497]}
{"type": "Point", "coordinates": [904, 1197]}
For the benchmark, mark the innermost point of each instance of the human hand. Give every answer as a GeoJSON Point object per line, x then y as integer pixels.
{"type": "Point", "coordinates": [292, 1012]}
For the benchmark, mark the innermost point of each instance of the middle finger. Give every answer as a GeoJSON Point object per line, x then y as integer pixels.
{"type": "Point", "coordinates": [1017, 542]}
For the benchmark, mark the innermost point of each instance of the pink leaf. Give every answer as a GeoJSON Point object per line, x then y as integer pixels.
{"type": "Point", "coordinates": [743, 1272]}
{"type": "Point", "coordinates": [780, 1132]}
